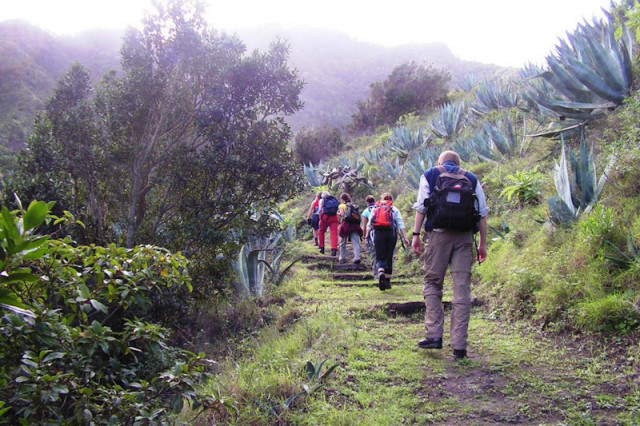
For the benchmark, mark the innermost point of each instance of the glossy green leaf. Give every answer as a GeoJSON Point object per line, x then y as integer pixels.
{"type": "Point", "coordinates": [35, 215]}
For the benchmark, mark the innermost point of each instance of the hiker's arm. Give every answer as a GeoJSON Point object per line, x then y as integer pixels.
{"type": "Point", "coordinates": [421, 212]}
{"type": "Point", "coordinates": [482, 247]}
{"type": "Point", "coordinates": [416, 244]}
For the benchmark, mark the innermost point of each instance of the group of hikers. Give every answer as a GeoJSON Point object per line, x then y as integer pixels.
{"type": "Point", "coordinates": [378, 225]}
{"type": "Point", "coordinates": [452, 207]}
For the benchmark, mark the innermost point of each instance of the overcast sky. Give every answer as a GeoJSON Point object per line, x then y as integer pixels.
{"type": "Point", "coordinates": [503, 32]}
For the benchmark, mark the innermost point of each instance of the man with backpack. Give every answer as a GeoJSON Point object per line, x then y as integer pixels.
{"type": "Point", "coordinates": [328, 208]}
{"type": "Point", "coordinates": [454, 204]}
{"type": "Point", "coordinates": [384, 224]}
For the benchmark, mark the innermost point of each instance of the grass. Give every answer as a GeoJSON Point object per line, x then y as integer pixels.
{"type": "Point", "coordinates": [514, 374]}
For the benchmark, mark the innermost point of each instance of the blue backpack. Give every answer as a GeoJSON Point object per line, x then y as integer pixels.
{"type": "Point", "coordinates": [330, 205]}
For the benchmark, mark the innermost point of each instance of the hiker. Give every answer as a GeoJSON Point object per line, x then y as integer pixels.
{"type": "Point", "coordinates": [313, 217]}
{"type": "Point", "coordinates": [328, 208]}
{"type": "Point", "coordinates": [366, 215]}
{"type": "Point", "coordinates": [385, 223]}
{"type": "Point", "coordinates": [349, 229]}
{"type": "Point", "coordinates": [454, 204]}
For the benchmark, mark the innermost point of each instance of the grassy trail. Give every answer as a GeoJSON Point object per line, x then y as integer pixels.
{"type": "Point", "coordinates": [514, 374]}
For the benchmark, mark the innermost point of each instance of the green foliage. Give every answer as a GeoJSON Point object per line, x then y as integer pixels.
{"type": "Point", "coordinates": [614, 313]}
{"type": "Point", "coordinates": [410, 88]}
{"type": "Point", "coordinates": [197, 139]}
{"type": "Point", "coordinates": [628, 258]}
{"type": "Point", "coordinates": [597, 226]}
{"type": "Point", "coordinates": [89, 346]}
{"type": "Point", "coordinates": [313, 145]}
{"type": "Point", "coordinates": [526, 187]}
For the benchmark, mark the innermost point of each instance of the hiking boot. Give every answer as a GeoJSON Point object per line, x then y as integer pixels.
{"type": "Point", "coordinates": [381, 279]}
{"type": "Point", "coordinates": [342, 261]}
{"type": "Point", "coordinates": [357, 261]}
{"type": "Point", "coordinates": [321, 250]}
{"type": "Point", "coordinates": [387, 283]}
{"type": "Point", "coordinates": [459, 354]}
{"type": "Point", "coordinates": [431, 343]}
{"type": "Point", "coordinates": [334, 252]}
{"type": "Point", "coordinates": [315, 241]}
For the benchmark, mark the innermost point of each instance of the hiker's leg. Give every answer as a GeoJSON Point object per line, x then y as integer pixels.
{"type": "Point", "coordinates": [461, 263]}
{"type": "Point", "coordinates": [372, 254]}
{"type": "Point", "coordinates": [381, 241]}
{"type": "Point", "coordinates": [436, 261]}
{"type": "Point", "coordinates": [342, 252]}
{"type": "Point", "coordinates": [333, 232]}
{"type": "Point", "coordinates": [393, 240]}
{"type": "Point", "coordinates": [355, 241]}
{"type": "Point", "coordinates": [322, 228]}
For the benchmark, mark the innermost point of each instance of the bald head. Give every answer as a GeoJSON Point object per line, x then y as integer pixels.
{"type": "Point", "coordinates": [449, 156]}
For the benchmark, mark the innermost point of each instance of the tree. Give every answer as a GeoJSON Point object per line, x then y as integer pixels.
{"type": "Point", "coordinates": [410, 88]}
{"type": "Point", "coordinates": [190, 141]}
{"type": "Point", "coordinates": [312, 145]}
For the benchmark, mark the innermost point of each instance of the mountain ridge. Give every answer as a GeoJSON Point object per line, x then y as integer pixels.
{"type": "Point", "coordinates": [337, 69]}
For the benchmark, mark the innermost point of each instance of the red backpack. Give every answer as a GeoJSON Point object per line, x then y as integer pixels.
{"type": "Point", "coordinates": [382, 215]}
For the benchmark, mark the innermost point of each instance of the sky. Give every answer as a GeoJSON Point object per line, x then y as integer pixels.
{"type": "Point", "coordinates": [501, 32]}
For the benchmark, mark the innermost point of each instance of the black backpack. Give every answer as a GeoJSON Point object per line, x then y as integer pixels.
{"type": "Point", "coordinates": [330, 205]}
{"type": "Point", "coordinates": [452, 204]}
{"type": "Point", "coordinates": [352, 213]}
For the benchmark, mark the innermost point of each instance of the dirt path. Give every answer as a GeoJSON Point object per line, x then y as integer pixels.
{"type": "Point", "coordinates": [514, 374]}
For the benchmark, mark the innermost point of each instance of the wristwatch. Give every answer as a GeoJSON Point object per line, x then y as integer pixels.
{"type": "Point", "coordinates": [416, 234]}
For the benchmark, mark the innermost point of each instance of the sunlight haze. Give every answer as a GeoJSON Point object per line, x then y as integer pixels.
{"type": "Point", "coordinates": [502, 32]}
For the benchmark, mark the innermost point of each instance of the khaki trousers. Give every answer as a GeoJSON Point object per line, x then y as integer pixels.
{"type": "Point", "coordinates": [448, 249]}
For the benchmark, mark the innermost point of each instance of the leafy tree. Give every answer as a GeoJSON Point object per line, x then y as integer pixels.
{"type": "Point", "coordinates": [312, 145]}
{"type": "Point", "coordinates": [410, 88]}
{"type": "Point", "coordinates": [182, 148]}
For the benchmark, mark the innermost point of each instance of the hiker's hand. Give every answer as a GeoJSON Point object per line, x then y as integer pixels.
{"type": "Point", "coordinates": [416, 245]}
{"type": "Point", "coordinates": [482, 253]}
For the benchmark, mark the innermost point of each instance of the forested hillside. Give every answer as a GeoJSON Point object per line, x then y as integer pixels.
{"type": "Point", "coordinates": [31, 63]}
{"type": "Point", "coordinates": [336, 69]}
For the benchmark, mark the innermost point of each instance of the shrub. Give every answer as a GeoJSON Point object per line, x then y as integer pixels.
{"type": "Point", "coordinates": [612, 313]}
{"type": "Point", "coordinates": [79, 341]}
{"type": "Point", "coordinates": [525, 188]}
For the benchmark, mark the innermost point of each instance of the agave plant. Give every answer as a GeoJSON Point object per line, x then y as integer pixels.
{"type": "Point", "coordinates": [492, 141]}
{"type": "Point", "coordinates": [625, 260]}
{"type": "Point", "coordinates": [403, 141]}
{"type": "Point", "coordinates": [449, 120]}
{"type": "Point", "coordinates": [469, 82]}
{"type": "Point", "coordinates": [578, 190]}
{"type": "Point", "coordinates": [391, 171]}
{"type": "Point", "coordinates": [590, 72]}
{"type": "Point", "coordinates": [492, 96]}
{"type": "Point", "coordinates": [313, 174]}
{"type": "Point", "coordinates": [250, 265]}
{"type": "Point", "coordinates": [418, 163]}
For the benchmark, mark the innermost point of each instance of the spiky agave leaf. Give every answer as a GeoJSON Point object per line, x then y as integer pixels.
{"type": "Point", "coordinates": [563, 184]}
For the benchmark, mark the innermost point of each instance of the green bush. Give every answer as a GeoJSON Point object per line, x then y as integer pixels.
{"type": "Point", "coordinates": [81, 340]}
{"type": "Point", "coordinates": [612, 313]}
